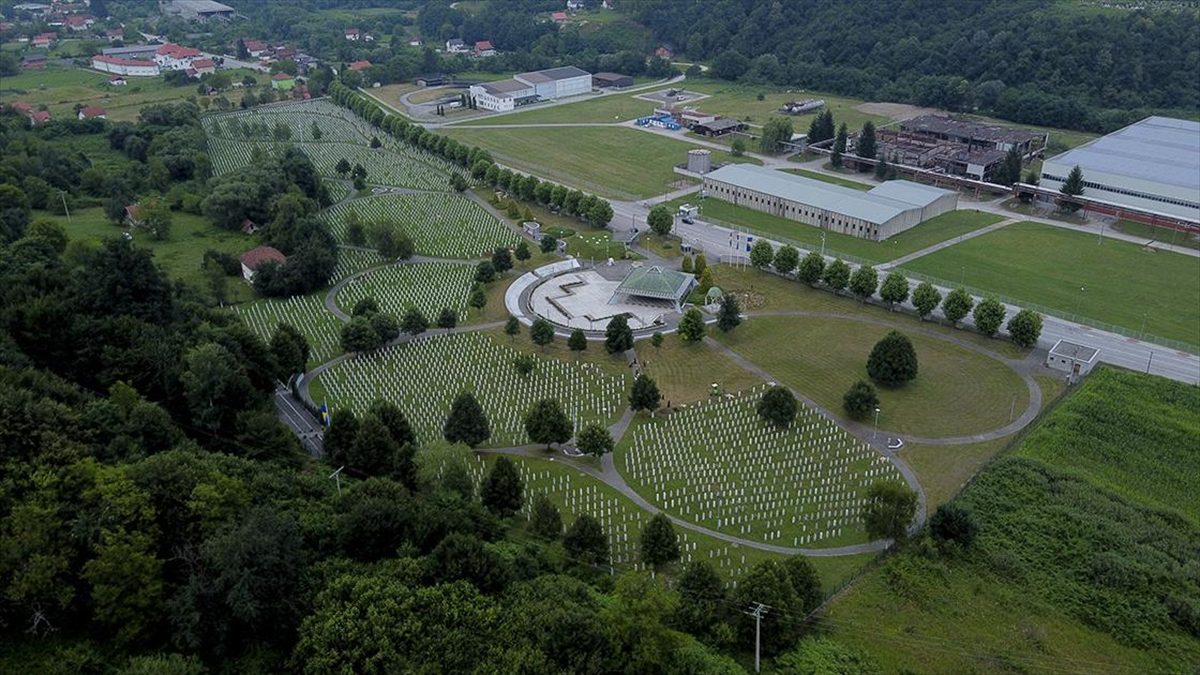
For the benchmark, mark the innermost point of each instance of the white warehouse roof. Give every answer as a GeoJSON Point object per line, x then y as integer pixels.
{"type": "Point", "coordinates": [1159, 149]}
{"type": "Point", "coordinates": [878, 205]}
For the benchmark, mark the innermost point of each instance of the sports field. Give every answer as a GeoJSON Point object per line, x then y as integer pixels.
{"type": "Point", "coordinates": [932, 231]}
{"type": "Point", "coordinates": [616, 163]}
{"type": "Point", "coordinates": [1115, 282]}
{"type": "Point", "coordinates": [957, 391]}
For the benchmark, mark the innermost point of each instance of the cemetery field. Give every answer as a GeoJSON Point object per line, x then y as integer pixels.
{"type": "Point", "coordinates": [685, 373]}
{"type": "Point", "coordinates": [306, 313]}
{"type": "Point", "coordinates": [761, 291]}
{"type": "Point", "coordinates": [575, 493]}
{"type": "Point", "coordinates": [1081, 558]}
{"type": "Point", "coordinates": [429, 287]}
{"type": "Point", "coordinates": [616, 163]}
{"type": "Point", "coordinates": [956, 392]}
{"type": "Point", "coordinates": [353, 260]}
{"type": "Point", "coordinates": [716, 463]}
{"type": "Point", "coordinates": [935, 230]}
{"type": "Point", "coordinates": [424, 375]}
{"type": "Point", "coordinates": [442, 225]}
{"type": "Point", "coordinates": [1114, 282]}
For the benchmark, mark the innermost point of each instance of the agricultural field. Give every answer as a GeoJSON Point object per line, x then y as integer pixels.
{"type": "Point", "coordinates": [718, 464]}
{"type": "Point", "coordinates": [935, 230]}
{"type": "Point", "coordinates": [1075, 274]}
{"type": "Point", "coordinates": [59, 88]}
{"type": "Point", "coordinates": [616, 162]}
{"type": "Point", "coordinates": [824, 356]}
{"type": "Point", "coordinates": [1077, 566]}
{"type": "Point", "coordinates": [305, 313]}
{"type": "Point", "coordinates": [425, 375]}
{"type": "Point", "coordinates": [429, 287]}
{"type": "Point", "coordinates": [443, 225]}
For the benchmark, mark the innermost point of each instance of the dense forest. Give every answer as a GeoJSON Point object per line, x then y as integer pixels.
{"type": "Point", "coordinates": [1059, 64]}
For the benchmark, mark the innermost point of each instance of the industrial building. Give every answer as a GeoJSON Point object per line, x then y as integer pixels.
{"type": "Point", "coordinates": [611, 81]}
{"type": "Point", "coordinates": [197, 10]}
{"type": "Point", "coordinates": [876, 214]}
{"type": "Point", "coordinates": [954, 146]}
{"type": "Point", "coordinates": [125, 67]}
{"type": "Point", "coordinates": [1151, 166]}
{"type": "Point", "coordinates": [525, 88]}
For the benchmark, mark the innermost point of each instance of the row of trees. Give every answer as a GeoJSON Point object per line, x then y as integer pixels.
{"type": "Point", "coordinates": [1024, 327]}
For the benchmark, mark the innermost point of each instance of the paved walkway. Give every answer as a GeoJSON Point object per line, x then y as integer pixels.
{"type": "Point", "coordinates": [944, 244]}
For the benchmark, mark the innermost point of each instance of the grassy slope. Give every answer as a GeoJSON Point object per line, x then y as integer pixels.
{"type": "Point", "coordinates": [1066, 575]}
{"type": "Point", "coordinates": [941, 228]}
{"type": "Point", "coordinates": [1047, 265]}
{"type": "Point", "coordinates": [824, 357]}
{"type": "Point", "coordinates": [617, 163]}
{"type": "Point", "coordinates": [685, 373]}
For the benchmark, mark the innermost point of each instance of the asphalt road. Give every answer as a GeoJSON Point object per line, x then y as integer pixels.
{"type": "Point", "coordinates": [300, 421]}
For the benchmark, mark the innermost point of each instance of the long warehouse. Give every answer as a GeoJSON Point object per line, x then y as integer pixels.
{"type": "Point", "coordinates": [1152, 165]}
{"type": "Point", "coordinates": [875, 214]}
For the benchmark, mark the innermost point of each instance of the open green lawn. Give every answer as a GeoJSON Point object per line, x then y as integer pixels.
{"type": "Point", "coordinates": [1086, 539]}
{"type": "Point", "coordinates": [932, 231]}
{"type": "Point", "coordinates": [1162, 235]}
{"type": "Point", "coordinates": [685, 373]}
{"type": "Point", "coordinates": [60, 88]}
{"type": "Point", "coordinates": [1121, 282]}
{"type": "Point", "coordinates": [181, 254]}
{"type": "Point", "coordinates": [724, 98]}
{"type": "Point", "coordinates": [822, 357]}
{"type": "Point", "coordinates": [616, 163]}
{"type": "Point", "coordinates": [824, 177]}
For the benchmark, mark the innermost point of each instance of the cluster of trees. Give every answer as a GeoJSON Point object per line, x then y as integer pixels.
{"type": "Point", "coordinates": [369, 329]}
{"type": "Point", "coordinates": [1023, 61]}
{"type": "Point", "coordinates": [1024, 327]}
{"type": "Point", "coordinates": [559, 199]}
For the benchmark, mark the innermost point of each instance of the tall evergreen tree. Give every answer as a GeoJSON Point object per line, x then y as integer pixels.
{"type": "Point", "coordinates": [545, 521]}
{"type": "Point", "coordinates": [618, 336]}
{"type": "Point", "coordinates": [729, 316]}
{"type": "Point", "coordinates": [467, 422]}
{"type": "Point", "coordinates": [503, 491]}
{"type": "Point", "coordinates": [660, 545]}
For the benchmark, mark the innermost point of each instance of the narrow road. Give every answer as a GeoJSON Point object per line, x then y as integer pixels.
{"type": "Point", "coordinates": [300, 421]}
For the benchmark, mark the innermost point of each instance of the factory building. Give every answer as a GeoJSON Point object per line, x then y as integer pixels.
{"type": "Point", "coordinates": [1151, 166]}
{"type": "Point", "coordinates": [549, 84]}
{"type": "Point", "coordinates": [876, 214]}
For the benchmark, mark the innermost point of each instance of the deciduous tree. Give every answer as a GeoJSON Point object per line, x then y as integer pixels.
{"type": "Point", "coordinates": [1025, 327]}
{"type": "Point", "coordinates": [864, 281]}
{"type": "Point", "coordinates": [691, 326]}
{"type": "Point", "coordinates": [837, 275]}
{"type": "Point", "coordinates": [761, 254]}
{"type": "Point", "coordinates": [502, 491]}
{"type": "Point", "coordinates": [729, 316]}
{"type": "Point", "coordinates": [547, 423]}
{"type": "Point", "coordinates": [786, 259]}
{"type": "Point", "coordinates": [778, 407]}
{"type": "Point", "coordinates": [894, 289]}
{"type": "Point", "coordinates": [890, 507]}
{"type": "Point", "coordinates": [860, 400]}
{"type": "Point", "coordinates": [989, 315]}
{"type": "Point", "coordinates": [957, 305]}
{"type": "Point", "coordinates": [893, 360]}
{"type": "Point", "coordinates": [618, 336]}
{"type": "Point", "coordinates": [594, 439]}
{"type": "Point", "coordinates": [644, 395]}
{"type": "Point", "coordinates": [659, 545]}
{"type": "Point", "coordinates": [926, 298]}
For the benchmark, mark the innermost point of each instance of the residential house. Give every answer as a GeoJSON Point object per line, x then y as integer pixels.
{"type": "Point", "coordinates": [175, 57]}
{"type": "Point", "coordinates": [117, 81]}
{"type": "Point", "coordinates": [353, 34]}
{"type": "Point", "coordinates": [79, 22]}
{"type": "Point", "coordinates": [255, 48]}
{"type": "Point", "coordinates": [204, 66]}
{"type": "Point", "coordinates": [484, 48]}
{"type": "Point", "coordinates": [256, 257]}
{"type": "Point", "coordinates": [282, 82]}
{"type": "Point", "coordinates": [92, 112]}
{"type": "Point", "coordinates": [44, 39]}
{"type": "Point", "coordinates": [359, 66]}
{"type": "Point", "coordinates": [456, 46]}
{"type": "Point", "coordinates": [559, 17]}
{"type": "Point", "coordinates": [131, 216]}
{"type": "Point", "coordinates": [664, 53]}
{"type": "Point", "coordinates": [114, 34]}
{"type": "Point", "coordinates": [33, 61]}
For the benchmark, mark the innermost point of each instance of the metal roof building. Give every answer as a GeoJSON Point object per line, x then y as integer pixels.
{"type": "Point", "coordinates": [874, 214]}
{"type": "Point", "coordinates": [657, 283]}
{"type": "Point", "coordinates": [1152, 165]}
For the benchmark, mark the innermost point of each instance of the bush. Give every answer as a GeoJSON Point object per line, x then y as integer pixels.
{"type": "Point", "coordinates": [893, 361]}
{"type": "Point", "coordinates": [952, 524]}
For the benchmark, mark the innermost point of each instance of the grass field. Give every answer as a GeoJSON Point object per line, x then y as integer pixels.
{"type": "Point", "coordinates": [60, 88]}
{"type": "Point", "coordinates": [1160, 234]}
{"type": "Point", "coordinates": [685, 373]}
{"type": "Point", "coordinates": [617, 163]}
{"type": "Point", "coordinates": [823, 357]}
{"type": "Point", "coordinates": [180, 255]}
{"type": "Point", "coordinates": [824, 177]}
{"type": "Point", "coordinates": [723, 98]}
{"type": "Point", "coordinates": [932, 231]}
{"type": "Point", "coordinates": [1075, 568]}
{"type": "Point", "coordinates": [1122, 283]}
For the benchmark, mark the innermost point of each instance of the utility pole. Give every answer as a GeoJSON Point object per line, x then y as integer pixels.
{"type": "Point", "coordinates": [337, 477]}
{"type": "Point", "coordinates": [758, 612]}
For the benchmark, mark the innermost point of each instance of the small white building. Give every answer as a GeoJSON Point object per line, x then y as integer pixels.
{"type": "Point", "coordinates": [125, 67]}
{"type": "Point", "coordinates": [1075, 359]}
{"type": "Point", "coordinates": [502, 95]}
{"type": "Point", "coordinates": [456, 46]}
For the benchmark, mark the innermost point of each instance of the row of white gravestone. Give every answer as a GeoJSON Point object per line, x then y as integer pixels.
{"type": "Point", "coordinates": [429, 287]}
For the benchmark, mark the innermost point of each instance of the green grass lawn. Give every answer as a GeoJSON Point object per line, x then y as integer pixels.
{"type": "Point", "coordinates": [823, 357]}
{"type": "Point", "coordinates": [1083, 539]}
{"type": "Point", "coordinates": [1162, 235]}
{"type": "Point", "coordinates": [932, 231]}
{"type": "Point", "coordinates": [824, 177]}
{"type": "Point", "coordinates": [60, 88]}
{"type": "Point", "coordinates": [1046, 265]}
{"type": "Point", "coordinates": [181, 254]}
{"type": "Point", "coordinates": [685, 373]}
{"type": "Point", "coordinates": [615, 163]}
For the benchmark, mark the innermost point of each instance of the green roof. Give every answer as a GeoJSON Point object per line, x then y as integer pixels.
{"type": "Point", "coordinates": [656, 282]}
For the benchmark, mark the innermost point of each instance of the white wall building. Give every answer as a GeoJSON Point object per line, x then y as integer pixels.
{"type": "Point", "coordinates": [501, 95]}
{"type": "Point", "coordinates": [875, 214]}
{"type": "Point", "coordinates": [175, 57]}
{"type": "Point", "coordinates": [1152, 165]}
{"type": "Point", "coordinates": [549, 84]}
{"type": "Point", "coordinates": [125, 67]}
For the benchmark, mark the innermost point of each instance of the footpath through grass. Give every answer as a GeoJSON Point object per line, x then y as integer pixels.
{"type": "Point", "coordinates": [1075, 567]}
{"type": "Point", "coordinates": [933, 231]}
{"type": "Point", "coordinates": [1114, 282]}
{"type": "Point", "coordinates": [617, 163]}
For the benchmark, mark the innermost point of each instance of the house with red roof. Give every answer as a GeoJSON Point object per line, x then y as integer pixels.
{"type": "Point", "coordinates": [78, 22]}
{"type": "Point", "coordinates": [559, 17]}
{"type": "Point", "coordinates": [484, 48]}
{"type": "Point", "coordinates": [359, 66]}
{"type": "Point", "coordinates": [117, 80]}
{"type": "Point", "coordinates": [131, 215]}
{"type": "Point", "coordinates": [44, 39]}
{"type": "Point", "coordinates": [256, 257]}
{"type": "Point", "coordinates": [175, 57]}
{"type": "Point", "coordinates": [93, 112]}
{"type": "Point", "coordinates": [204, 66]}
{"type": "Point", "coordinates": [125, 67]}
{"type": "Point", "coordinates": [664, 52]}
{"type": "Point", "coordinates": [255, 48]}
{"type": "Point", "coordinates": [283, 82]}
{"type": "Point", "coordinates": [21, 107]}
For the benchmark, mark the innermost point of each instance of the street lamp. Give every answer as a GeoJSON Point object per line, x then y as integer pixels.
{"type": "Point", "coordinates": [1079, 301]}
{"type": "Point", "coordinates": [1142, 333]}
{"type": "Point", "coordinates": [876, 431]}
{"type": "Point", "coordinates": [822, 243]}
